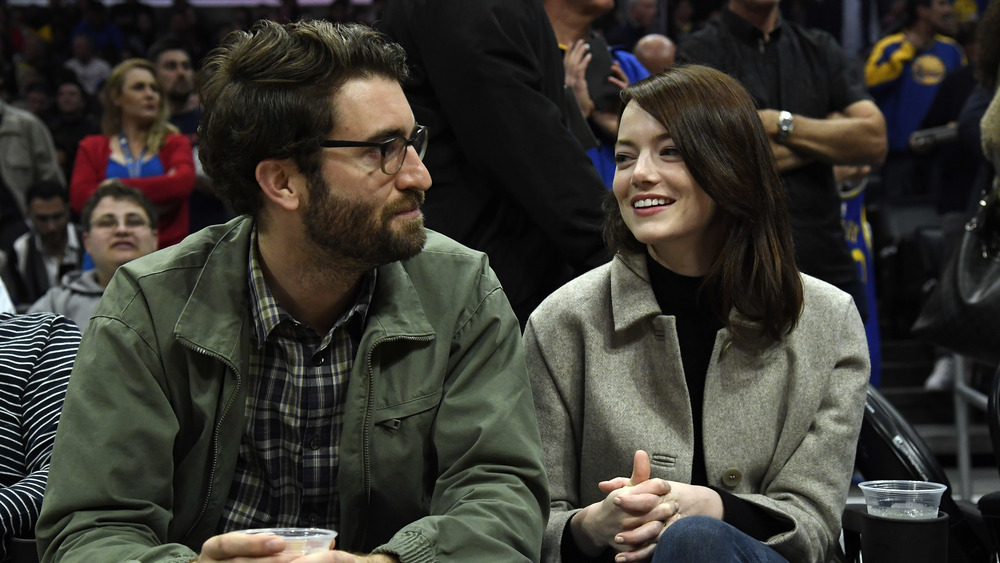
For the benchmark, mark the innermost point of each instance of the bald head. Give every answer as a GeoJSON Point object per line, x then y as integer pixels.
{"type": "Point", "coordinates": [655, 52]}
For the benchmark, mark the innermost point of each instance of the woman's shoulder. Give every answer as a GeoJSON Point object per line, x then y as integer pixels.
{"type": "Point", "coordinates": [824, 302]}
{"type": "Point", "coordinates": [576, 297]}
{"type": "Point", "coordinates": [94, 141]}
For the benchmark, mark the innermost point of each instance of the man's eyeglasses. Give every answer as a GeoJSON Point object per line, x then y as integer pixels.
{"type": "Point", "coordinates": [393, 150]}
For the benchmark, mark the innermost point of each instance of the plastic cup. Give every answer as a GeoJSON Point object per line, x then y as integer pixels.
{"type": "Point", "coordinates": [300, 541]}
{"type": "Point", "coordinates": [903, 500]}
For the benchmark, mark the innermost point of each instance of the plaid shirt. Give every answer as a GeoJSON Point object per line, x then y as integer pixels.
{"type": "Point", "coordinates": [286, 473]}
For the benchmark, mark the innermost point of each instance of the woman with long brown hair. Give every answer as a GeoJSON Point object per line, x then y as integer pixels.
{"type": "Point", "coordinates": [139, 147]}
{"type": "Point", "coordinates": [701, 344]}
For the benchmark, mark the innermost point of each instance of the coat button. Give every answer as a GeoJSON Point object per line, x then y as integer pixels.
{"type": "Point", "coordinates": [732, 477]}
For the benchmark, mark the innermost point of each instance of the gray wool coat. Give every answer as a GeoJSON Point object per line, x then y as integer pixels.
{"type": "Point", "coordinates": [780, 423]}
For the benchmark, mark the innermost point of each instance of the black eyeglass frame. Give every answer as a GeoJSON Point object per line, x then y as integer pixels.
{"type": "Point", "coordinates": [383, 146]}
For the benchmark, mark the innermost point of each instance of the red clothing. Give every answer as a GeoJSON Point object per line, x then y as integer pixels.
{"type": "Point", "coordinates": [170, 193]}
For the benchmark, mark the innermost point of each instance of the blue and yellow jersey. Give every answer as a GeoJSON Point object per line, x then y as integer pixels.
{"type": "Point", "coordinates": [903, 81]}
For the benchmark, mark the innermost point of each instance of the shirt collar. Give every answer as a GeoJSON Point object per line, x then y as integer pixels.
{"type": "Point", "coordinates": [72, 244]}
{"type": "Point", "coordinates": [746, 31]}
{"type": "Point", "coordinates": [267, 314]}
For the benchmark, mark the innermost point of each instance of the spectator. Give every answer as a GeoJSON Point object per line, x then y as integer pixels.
{"type": "Point", "coordinates": [71, 123]}
{"type": "Point", "coordinates": [321, 362]}
{"type": "Point", "coordinates": [701, 314]}
{"type": "Point", "coordinates": [36, 355]}
{"type": "Point", "coordinates": [50, 249]}
{"type": "Point", "coordinates": [106, 38]}
{"type": "Point", "coordinates": [139, 146]}
{"type": "Point", "coordinates": [490, 87]}
{"type": "Point", "coordinates": [640, 21]}
{"type": "Point", "coordinates": [91, 70]}
{"type": "Point", "coordinates": [655, 52]}
{"type": "Point", "coordinates": [833, 121]}
{"type": "Point", "coordinates": [174, 70]}
{"type": "Point", "coordinates": [597, 73]}
{"type": "Point", "coordinates": [903, 73]}
{"type": "Point", "coordinates": [27, 156]}
{"type": "Point", "coordinates": [119, 225]}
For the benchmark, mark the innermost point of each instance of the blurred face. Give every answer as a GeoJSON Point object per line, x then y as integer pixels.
{"type": "Point", "coordinates": [119, 232]}
{"type": "Point", "coordinates": [173, 68]}
{"type": "Point", "coordinates": [644, 12]}
{"type": "Point", "coordinates": [139, 99]}
{"type": "Point", "coordinates": [82, 49]}
{"type": "Point", "coordinates": [69, 98]}
{"type": "Point", "coordinates": [661, 203]}
{"type": "Point", "coordinates": [355, 210]}
{"type": "Point", "coordinates": [939, 15]}
{"type": "Point", "coordinates": [49, 218]}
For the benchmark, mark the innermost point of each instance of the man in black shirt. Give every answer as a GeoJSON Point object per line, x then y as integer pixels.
{"type": "Point", "coordinates": [813, 103]}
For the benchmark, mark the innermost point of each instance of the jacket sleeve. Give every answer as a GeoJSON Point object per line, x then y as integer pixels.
{"type": "Point", "coordinates": [490, 500]}
{"type": "Point", "coordinates": [810, 488]}
{"type": "Point", "coordinates": [557, 403]}
{"type": "Point", "coordinates": [110, 490]}
{"type": "Point", "coordinates": [88, 170]}
{"type": "Point", "coordinates": [54, 340]}
{"type": "Point", "coordinates": [43, 150]}
{"type": "Point", "coordinates": [885, 64]}
{"type": "Point", "coordinates": [169, 189]}
{"type": "Point", "coordinates": [480, 58]}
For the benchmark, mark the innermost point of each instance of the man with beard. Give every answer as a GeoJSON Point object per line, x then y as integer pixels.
{"type": "Point", "coordinates": [322, 361]}
{"type": "Point", "coordinates": [172, 60]}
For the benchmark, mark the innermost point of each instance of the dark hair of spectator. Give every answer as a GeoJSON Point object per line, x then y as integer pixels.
{"type": "Point", "coordinates": [163, 45]}
{"type": "Point", "coordinates": [910, 15]}
{"type": "Point", "coordinates": [267, 93]}
{"type": "Point", "coordinates": [117, 191]}
{"type": "Point", "coordinates": [46, 189]}
{"type": "Point", "coordinates": [988, 64]}
{"type": "Point", "coordinates": [714, 123]}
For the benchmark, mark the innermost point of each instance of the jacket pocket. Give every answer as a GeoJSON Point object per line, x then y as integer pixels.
{"type": "Point", "coordinates": [393, 417]}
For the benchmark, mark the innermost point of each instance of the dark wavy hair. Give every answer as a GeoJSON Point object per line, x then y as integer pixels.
{"type": "Point", "coordinates": [715, 126]}
{"type": "Point", "coordinates": [267, 94]}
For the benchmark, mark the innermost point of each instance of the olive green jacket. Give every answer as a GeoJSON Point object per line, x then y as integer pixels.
{"type": "Point", "coordinates": [440, 450]}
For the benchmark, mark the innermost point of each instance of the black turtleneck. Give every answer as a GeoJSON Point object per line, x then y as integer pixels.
{"type": "Point", "coordinates": [678, 296]}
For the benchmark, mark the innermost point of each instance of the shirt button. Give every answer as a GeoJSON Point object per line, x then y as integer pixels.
{"type": "Point", "coordinates": [318, 360]}
{"type": "Point", "coordinates": [314, 443]}
{"type": "Point", "coordinates": [731, 478]}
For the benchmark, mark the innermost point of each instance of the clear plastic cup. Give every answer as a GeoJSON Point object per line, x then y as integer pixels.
{"type": "Point", "coordinates": [903, 500]}
{"type": "Point", "coordinates": [300, 541]}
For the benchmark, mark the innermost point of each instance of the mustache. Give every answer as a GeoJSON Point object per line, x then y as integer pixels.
{"type": "Point", "coordinates": [412, 198]}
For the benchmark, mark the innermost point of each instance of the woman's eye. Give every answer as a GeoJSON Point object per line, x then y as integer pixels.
{"type": "Point", "coordinates": [670, 152]}
{"type": "Point", "coordinates": [621, 157]}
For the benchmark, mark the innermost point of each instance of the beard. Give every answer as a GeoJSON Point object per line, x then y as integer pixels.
{"type": "Point", "coordinates": [356, 234]}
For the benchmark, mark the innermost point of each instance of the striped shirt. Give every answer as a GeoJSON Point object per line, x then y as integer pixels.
{"type": "Point", "coordinates": [286, 472]}
{"type": "Point", "coordinates": [36, 356]}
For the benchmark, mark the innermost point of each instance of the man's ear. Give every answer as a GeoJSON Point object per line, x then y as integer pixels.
{"type": "Point", "coordinates": [281, 182]}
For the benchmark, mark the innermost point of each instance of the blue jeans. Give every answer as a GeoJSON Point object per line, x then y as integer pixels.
{"type": "Point", "coordinates": [694, 539]}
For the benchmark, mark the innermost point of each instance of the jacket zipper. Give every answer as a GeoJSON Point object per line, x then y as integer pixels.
{"type": "Point", "coordinates": [215, 433]}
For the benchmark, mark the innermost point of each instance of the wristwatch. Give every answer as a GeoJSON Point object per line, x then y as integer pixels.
{"type": "Point", "coordinates": [786, 124]}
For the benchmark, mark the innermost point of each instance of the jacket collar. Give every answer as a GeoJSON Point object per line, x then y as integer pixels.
{"type": "Point", "coordinates": [632, 298]}
{"type": "Point", "coordinates": [208, 322]}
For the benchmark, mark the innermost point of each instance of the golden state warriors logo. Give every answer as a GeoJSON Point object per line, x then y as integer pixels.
{"type": "Point", "coordinates": [928, 70]}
